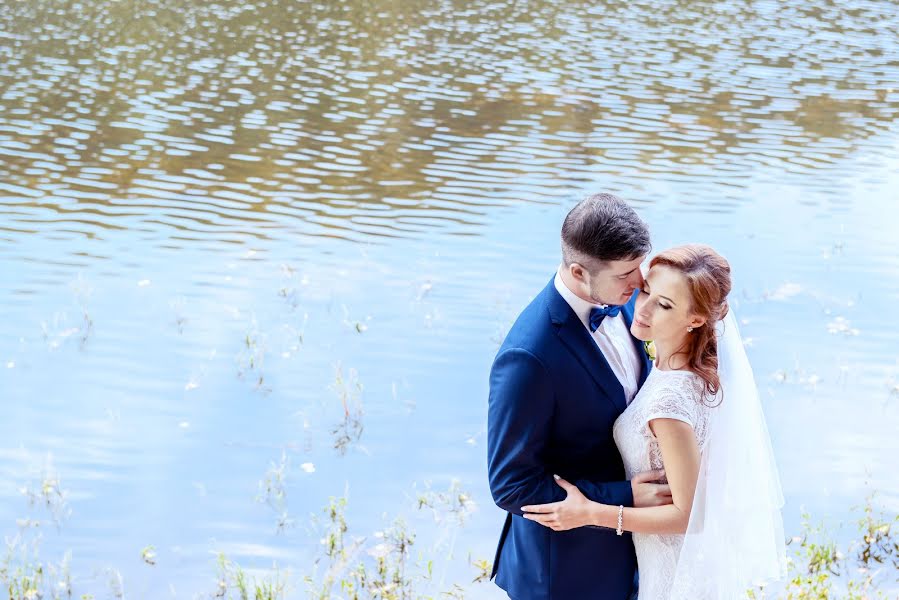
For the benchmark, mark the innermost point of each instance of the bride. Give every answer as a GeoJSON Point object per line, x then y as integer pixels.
{"type": "Point", "coordinates": [698, 417]}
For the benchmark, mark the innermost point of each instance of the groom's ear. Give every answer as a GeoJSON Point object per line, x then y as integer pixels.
{"type": "Point", "coordinates": [580, 272]}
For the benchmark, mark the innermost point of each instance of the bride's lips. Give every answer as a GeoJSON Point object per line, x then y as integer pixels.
{"type": "Point", "coordinates": [640, 323]}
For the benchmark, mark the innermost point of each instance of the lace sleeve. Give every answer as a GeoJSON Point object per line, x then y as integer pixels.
{"type": "Point", "coordinates": [671, 402]}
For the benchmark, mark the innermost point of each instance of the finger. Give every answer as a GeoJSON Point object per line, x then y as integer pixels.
{"type": "Point", "coordinates": [543, 517]}
{"type": "Point", "coordinates": [540, 508]}
{"type": "Point", "coordinates": [663, 490]}
{"type": "Point", "coordinates": [537, 519]}
{"type": "Point", "coordinates": [568, 487]}
{"type": "Point", "coordinates": [648, 476]}
{"type": "Point", "coordinates": [540, 519]}
{"type": "Point", "coordinates": [547, 520]}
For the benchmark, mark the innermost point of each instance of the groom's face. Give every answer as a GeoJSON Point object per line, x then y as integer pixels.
{"type": "Point", "coordinates": [614, 282]}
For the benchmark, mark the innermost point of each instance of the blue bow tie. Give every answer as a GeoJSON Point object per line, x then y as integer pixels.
{"type": "Point", "coordinates": [598, 313]}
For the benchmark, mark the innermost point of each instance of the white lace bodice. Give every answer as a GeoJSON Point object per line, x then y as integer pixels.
{"type": "Point", "coordinates": [671, 395]}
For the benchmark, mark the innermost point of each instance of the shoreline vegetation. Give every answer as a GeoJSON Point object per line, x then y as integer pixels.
{"type": "Point", "coordinates": [388, 565]}
{"type": "Point", "coordinates": [399, 561]}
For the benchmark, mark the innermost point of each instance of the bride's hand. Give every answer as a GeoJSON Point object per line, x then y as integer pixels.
{"type": "Point", "coordinates": [573, 511]}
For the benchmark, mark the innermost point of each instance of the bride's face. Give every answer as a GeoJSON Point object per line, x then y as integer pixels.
{"type": "Point", "coordinates": [664, 307]}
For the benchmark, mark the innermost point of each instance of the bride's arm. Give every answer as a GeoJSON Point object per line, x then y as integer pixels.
{"type": "Point", "coordinates": [680, 454]}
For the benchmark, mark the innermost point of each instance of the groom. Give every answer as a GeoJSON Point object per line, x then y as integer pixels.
{"type": "Point", "coordinates": [568, 367]}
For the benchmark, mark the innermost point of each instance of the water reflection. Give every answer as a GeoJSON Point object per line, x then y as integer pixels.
{"type": "Point", "coordinates": [366, 120]}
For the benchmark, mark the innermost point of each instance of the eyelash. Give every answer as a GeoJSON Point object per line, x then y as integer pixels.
{"type": "Point", "coordinates": [642, 291]}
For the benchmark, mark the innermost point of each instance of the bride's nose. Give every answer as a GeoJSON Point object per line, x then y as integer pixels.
{"type": "Point", "coordinates": [642, 308]}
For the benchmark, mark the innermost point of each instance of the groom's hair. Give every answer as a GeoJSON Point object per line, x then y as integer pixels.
{"type": "Point", "coordinates": [603, 228]}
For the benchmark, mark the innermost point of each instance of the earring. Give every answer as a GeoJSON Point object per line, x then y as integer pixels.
{"type": "Point", "coordinates": [689, 330]}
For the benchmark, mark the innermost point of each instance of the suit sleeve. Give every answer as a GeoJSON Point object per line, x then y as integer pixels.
{"type": "Point", "coordinates": [519, 420]}
{"type": "Point", "coordinates": [615, 493]}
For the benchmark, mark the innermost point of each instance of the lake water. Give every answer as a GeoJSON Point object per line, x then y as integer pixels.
{"type": "Point", "coordinates": [241, 236]}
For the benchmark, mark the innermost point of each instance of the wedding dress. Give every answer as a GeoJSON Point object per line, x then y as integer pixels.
{"type": "Point", "coordinates": [665, 395]}
{"type": "Point", "coordinates": [734, 540]}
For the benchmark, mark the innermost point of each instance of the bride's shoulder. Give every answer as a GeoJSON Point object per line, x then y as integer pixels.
{"type": "Point", "coordinates": [674, 377]}
{"type": "Point", "coordinates": [679, 395]}
{"type": "Point", "coordinates": [683, 385]}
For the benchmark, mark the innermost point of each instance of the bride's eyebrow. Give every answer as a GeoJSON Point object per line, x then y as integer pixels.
{"type": "Point", "coordinates": [646, 286]}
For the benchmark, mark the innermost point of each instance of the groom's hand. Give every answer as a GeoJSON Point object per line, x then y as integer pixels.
{"type": "Point", "coordinates": [647, 492]}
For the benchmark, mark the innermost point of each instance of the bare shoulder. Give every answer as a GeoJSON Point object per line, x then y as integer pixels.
{"type": "Point", "coordinates": [668, 428]}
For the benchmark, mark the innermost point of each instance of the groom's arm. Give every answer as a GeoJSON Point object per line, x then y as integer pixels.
{"type": "Point", "coordinates": [613, 492]}
{"type": "Point", "coordinates": [520, 411]}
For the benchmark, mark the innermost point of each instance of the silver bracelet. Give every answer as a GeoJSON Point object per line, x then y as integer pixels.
{"type": "Point", "coordinates": [620, 529]}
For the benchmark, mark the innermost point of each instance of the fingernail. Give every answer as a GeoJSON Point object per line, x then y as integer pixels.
{"type": "Point", "coordinates": [556, 477]}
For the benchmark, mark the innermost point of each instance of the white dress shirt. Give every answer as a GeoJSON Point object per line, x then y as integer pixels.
{"type": "Point", "coordinates": [612, 337]}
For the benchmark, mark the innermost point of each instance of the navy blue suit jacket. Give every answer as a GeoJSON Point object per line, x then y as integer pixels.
{"type": "Point", "coordinates": [553, 401]}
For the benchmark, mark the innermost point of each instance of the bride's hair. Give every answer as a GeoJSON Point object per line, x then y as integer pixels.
{"type": "Point", "coordinates": [708, 279]}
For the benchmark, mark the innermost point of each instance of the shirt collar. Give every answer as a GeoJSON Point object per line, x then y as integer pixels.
{"type": "Point", "coordinates": [580, 306]}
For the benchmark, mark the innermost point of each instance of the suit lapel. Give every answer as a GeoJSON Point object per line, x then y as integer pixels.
{"type": "Point", "coordinates": [576, 337]}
